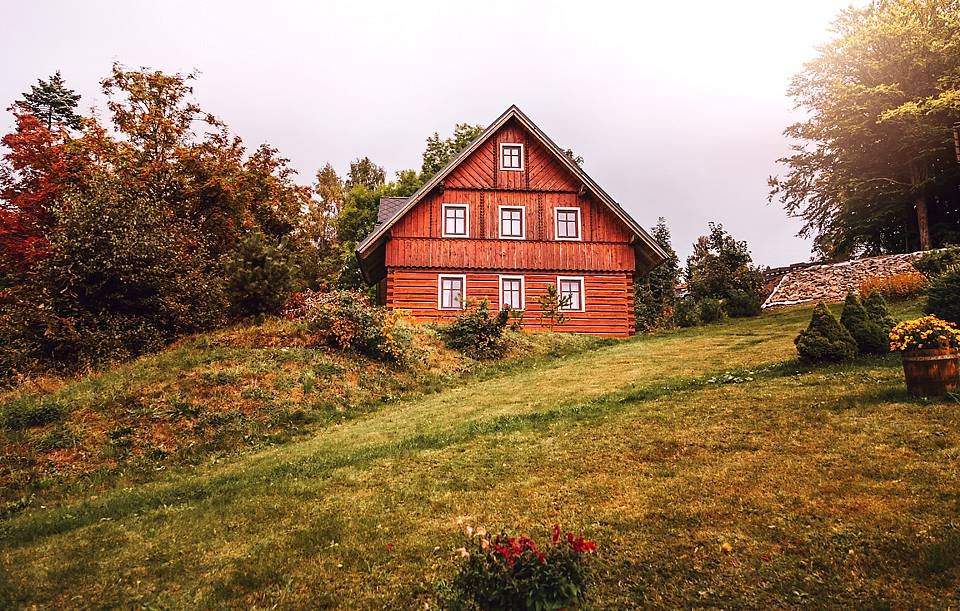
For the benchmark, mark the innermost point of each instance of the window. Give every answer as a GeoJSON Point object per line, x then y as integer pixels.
{"type": "Point", "coordinates": [570, 288]}
{"type": "Point", "coordinates": [452, 292]}
{"type": "Point", "coordinates": [568, 223]}
{"type": "Point", "coordinates": [511, 222]}
{"type": "Point", "coordinates": [511, 292]}
{"type": "Point", "coordinates": [456, 221]}
{"type": "Point", "coordinates": [511, 157]}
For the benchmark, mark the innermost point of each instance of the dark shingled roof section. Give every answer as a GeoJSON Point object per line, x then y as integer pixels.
{"type": "Point", "coordinates": [389, 207]}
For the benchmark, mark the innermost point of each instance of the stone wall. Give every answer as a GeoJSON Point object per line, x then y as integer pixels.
{"type": "Point", "coordinates": [831, 282]}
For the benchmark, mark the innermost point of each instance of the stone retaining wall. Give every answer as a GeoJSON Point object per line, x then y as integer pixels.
{"type": "Point", "coordinates": [832, 281]}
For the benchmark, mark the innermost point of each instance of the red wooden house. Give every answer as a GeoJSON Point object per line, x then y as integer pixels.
{"type": "Point", "coordinates": [509, 216]}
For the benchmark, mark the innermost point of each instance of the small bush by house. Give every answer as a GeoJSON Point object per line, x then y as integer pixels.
{"type": "Point", "coordinates": [896, 287]}
{"type": "Point", "coordinates": [825, 339]}
{"type": "Point", "coordinates": [347, 321]}
{"type": "Point", "coordinates": [710, 310]}
{"type": "Point", "coordinates": [477, 332]}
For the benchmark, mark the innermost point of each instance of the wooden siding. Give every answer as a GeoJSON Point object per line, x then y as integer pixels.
{"type": "Point", "coordinates": [541, 170]}
{"type": "Point", "coordinates": [458, 253]}
{"type": "Point", "coordinates": [608, 297]}
{"type": "Point", "coordinates": [425, 220]}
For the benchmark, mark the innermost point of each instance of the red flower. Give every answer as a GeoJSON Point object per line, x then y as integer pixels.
{"type": "Point", "coordinates": [556, 533]}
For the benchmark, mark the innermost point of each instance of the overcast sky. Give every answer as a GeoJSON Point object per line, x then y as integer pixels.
{"type": "Point", "coordinates": [677, 107]}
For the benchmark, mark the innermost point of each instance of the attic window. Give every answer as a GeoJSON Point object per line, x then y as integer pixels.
{"type": "Point", "coordinates": [511, 157]}
{"type": "Point", "coordinates": [456, 221]}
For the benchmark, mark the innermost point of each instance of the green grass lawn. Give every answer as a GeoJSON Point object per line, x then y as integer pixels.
{"type": "Point", "coordinates": [829, 487]}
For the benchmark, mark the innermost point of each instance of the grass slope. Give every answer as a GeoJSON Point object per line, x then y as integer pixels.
{"type": "Point", "coordinates": [828, 486]}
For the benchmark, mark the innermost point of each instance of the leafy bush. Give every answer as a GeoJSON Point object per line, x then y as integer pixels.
{"type": "Point", "coordinates": [943, 297]}
{"type": "Point", "coordinates": [506, 572]}
{"type": "Point", "coordinates": [26, 412]}
{"type": "Point", "coordinates": [687, 313]}
{"type": "Point", "coordinates": [260, 275]}
{"type": "Point", "coordinates": [876, 307]}
{"type": "Point", "coordinates": [743, 304]}
{"type": "Point", "coordinates": [345, 320]}
{"type": "Point", "coordinates": [825, 339]}
{"type": "Point", "coordinates": [936, 262]}
{"type": "Point", "coordinates": [477, 333]}
{"type": "Point", "coordinates": [710, 310]}
{"type": "Point", "coordinates": [898, 286]}
{"type": "Point", "coordinates": [869, 336]}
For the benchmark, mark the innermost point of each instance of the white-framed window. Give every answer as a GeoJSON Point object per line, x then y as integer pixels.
{"type": "Point", "coordinates": [456, 221]}
{"type": "Point", "coordinates": [570, 293]}
{"type": "Point", "coordinates": [513, 224]}
{"type": "Point", "coordinates": [451, 291]}
{"type": "Point", "coordinates": [511, 156]}
{"type": "Point", "coordinates": [512, 292]}
{"type": "Point", "coordinates": [567, 223]}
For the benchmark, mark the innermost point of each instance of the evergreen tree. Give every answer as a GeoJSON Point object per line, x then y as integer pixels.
{"type": "Point", "coordinates": [656, 293]}
{"type": "Point", "coordinates": [259, 275]}
{"type": "Point", "coordinates": [53, 102]}
{"type": "Point", "coordinates": [439, 152]}
{"type": "Point", "coordinates": [866, 332]}
{"type": "Point", "coordinates": [825, 339]}
{"type": "Point", "coordinates": [876, 307]}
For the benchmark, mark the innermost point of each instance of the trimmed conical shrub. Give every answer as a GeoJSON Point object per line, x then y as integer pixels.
{"type": "Point", "coordinates": [876, 307]}
{"type": "Point", "coordinates": [869, 336]}
{"type": "Point", "coordinates": [825, 339]}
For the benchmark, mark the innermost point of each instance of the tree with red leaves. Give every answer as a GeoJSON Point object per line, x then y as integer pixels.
{"type": "Point", "coordinates": [32, 176]}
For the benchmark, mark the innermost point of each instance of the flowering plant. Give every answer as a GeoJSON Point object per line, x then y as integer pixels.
{"type": "Point", "coordinates": [924, 332]}
{"type": "Point", "coordinates": [513, 572]}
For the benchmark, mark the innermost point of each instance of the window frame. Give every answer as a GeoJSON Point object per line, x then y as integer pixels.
{"type": "Point", "coordinates": [523, 222]}
{"type": "Point", "coordinates": [466, 221]}
{"type": "Point", "coordinates": [523, 290]}
{"type": "Point", "coordinates": [500, 161]}
{"type": "Point", "coordinates": [463, 292]}
{"type": "Point", "coordinates": [556, 223]}
{"type": "Point", "coordinates": [583, 292]}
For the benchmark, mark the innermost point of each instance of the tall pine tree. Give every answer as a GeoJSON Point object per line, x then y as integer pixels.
{"type": "Point", "coordinates": [53, 102]}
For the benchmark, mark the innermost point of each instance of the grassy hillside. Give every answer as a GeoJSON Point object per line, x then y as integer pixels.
{"type": "Point", "coordinates": [711, 468]}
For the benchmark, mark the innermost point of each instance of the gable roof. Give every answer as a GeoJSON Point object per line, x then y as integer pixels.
{"type": "Point", "coordinates": [389, 207]}
{"type": "Point", "coordinates": [368, 244]}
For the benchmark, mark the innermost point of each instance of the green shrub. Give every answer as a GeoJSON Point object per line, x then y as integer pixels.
{"type": "Point", "coordinates": [937, 262]}
{"type": "Point", "coordinates": [869, 336]}
{"type": "Point", "coordinates": [347, 321]}
{"type": "Point", "coordinates": [260, 275]}
{"type": "Point", "coordinates": [876, 307]}
{"type": "Point", "coordinates": [655, 294]}
{"type": "Point", "coordinates": [825, 339]}
{"type": "Point", "coordinates": [477, 333]}
{"type": "Point", "coordinates": [710, 310]}
{"type": "Point", "coordinates": [943, 296]}
{"type": "Point", "coordinates": [27, 412]}
{"type": "Point", "coordinates": [687, 313]}
{"type": "Point", "coordinates": [743, 303]}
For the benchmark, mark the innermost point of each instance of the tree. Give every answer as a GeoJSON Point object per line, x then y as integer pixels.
{"type": "Point", "coordinates": [33, 174]}
{"type": "Point", "coordinates": [259, 275]}
{"type": "Point", "coordinates": [439, 151]}
{"type": "Point", "coordinates": [872, 170]}
{"type": "Point", "coordinates": [53, 102]}
{"type": "Point", "coordinates": [656, 293]}
{"type": "Point", "coordinates": [721, 268]}
{"type": "Point", "coordinates": [365, 173]}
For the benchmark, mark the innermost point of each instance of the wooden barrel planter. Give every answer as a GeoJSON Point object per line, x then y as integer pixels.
{"type": "Point", "coordinates": [931, 372]}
